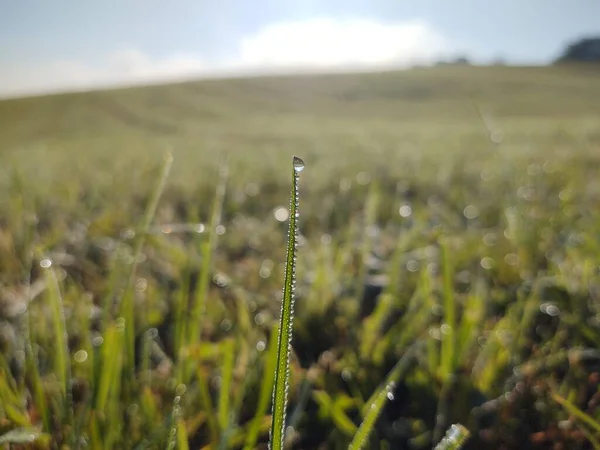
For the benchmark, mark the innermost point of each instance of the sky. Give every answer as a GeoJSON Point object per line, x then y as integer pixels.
{"type": "Point", "coordinates": [62, 45]}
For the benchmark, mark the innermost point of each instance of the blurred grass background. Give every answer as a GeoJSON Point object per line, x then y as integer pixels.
{"type": "Point", "coordinates": [452, 211]}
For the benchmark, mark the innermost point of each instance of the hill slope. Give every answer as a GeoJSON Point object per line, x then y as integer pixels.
{"type": "Point", "coordinates": [281, 115]}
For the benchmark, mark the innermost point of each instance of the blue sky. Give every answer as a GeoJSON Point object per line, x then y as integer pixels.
{"type": "Point", "coordinates": [60, 45]}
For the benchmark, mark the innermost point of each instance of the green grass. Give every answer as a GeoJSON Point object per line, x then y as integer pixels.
{"type": "Point", "coordinates": [157, 322]}
{"type": "Point", "coordinates": [286, 318]}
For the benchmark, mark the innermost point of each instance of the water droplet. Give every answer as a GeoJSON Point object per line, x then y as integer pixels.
{"type": "Point", "coordinates": [260, 346]}
{"type": "Point", "coordinates": [565, 195]}
{"type": "Point", "coordinates": [512, 259]}
{"type": "Point", "coordinates": [345, 185]}
{"type": "Point", "coordinates": [390, 396]}
{"type": "Point", "coordinates": [216, 382]}
{"type": "Point", "coordinates": [487, 263]}
{"type": "Point", "coordinates": [435, 334]}
{"type": "Point", "coordinates": [221, 280]}
{"type": "Point", "coordinates": [405, 210]}
{"type": "Point", "coordinates": [226, 325]}
{"type": "Point", "coordinates": [412, 265]}
{"type": "Point", "coordinates": [252, 189]}
{"type": "Point", "coordinates": [132, 409]}
{"type": "Point", "coordinates": [80, 356]}
{"type": "Point", "coordinates": [471, 212]}
{"type": "Point", "coordinates": [346, 375]}
{"type": "Point", "coordinates": [504, 335]}
{"type": "Point", "coordinates": [120, 323]}
{"type": "Point", "coordinates": [454, 433]}
{"type": "Point", "coordinates": [363, 178]}
{"type": "Point", "coordinates": [281, 214]}
{"type": "Point", "coordinates": [45, 263]}
{"type": "Point", "coordinates": [220, 230]}
{"type": "Point", "coordinates": [490, 239]}
{"type": "Point", "coordinates": [298, 164]}
{"type": "Point", "coordinates": [496, 136]}
{"type": "Point", "coordinates": [550, 309]}
{"type": "Point", "coordinates": [128, 234]}
{"type": "Point", "coordinates": [141, 284]}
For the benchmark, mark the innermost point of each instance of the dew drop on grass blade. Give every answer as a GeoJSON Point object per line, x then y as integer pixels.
{"type": "Point", "coordinates": [455, 438]}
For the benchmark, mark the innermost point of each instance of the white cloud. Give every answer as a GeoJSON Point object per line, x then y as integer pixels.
{"type": "Point", "coordinates": [121, 67]}
{"type": "Point", "coordinates": [328, 43]}
{"type": "Point", "coordinates": [316, 44]}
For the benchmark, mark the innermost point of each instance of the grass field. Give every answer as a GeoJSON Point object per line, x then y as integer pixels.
{"type": "Point", "coordinates": [448, 213]}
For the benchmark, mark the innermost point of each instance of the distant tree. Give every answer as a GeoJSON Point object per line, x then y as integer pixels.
{"type": "Point", "coordinates": [462, 60]}
{"type": "Point", "coordinates": [583, 50]}
{"type": "Point", "coordinates": [458, 60]}
{"type": "Point", "coordinates": [499, 61]}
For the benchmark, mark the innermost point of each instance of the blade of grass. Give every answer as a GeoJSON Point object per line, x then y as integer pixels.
{"type": "Point", "coordinates": [265, 391]}
{"type": "Point", "coordinates": [207, 406]}
{"type": "Point", "coordinates": [433, 350]}
{"type": "Point", "coordinates": [10, 401]}
{"type": "Point", "coordinates": [455, 438]}
{"type": "Point", "coordinates": [227, 349]}
{"type": "Point", "coordinates": [280, 386]}
{"type": "Point", "coordinates": [62, 362]}
{"type": "Point", "coordinates": [381, 396]}
{"type": "Point", "coordinates": [575, 411]}
{"type": "Point", "coordinates": [208, 247]}
{"type": "Point", "coordinates": [127, 306]}
{"type": "Point", "coordinates": [23, 436]}
{"type": "Point", "coordinates": [110, 362]}
{"type": "Point", "coordinates": [448, 347]}
{"type": "Point", "coordinates": [182, 437]}
{"type": "Point", "coordinates": [370, 221]}
{"type": "Point", "coordinates": [174, 433]}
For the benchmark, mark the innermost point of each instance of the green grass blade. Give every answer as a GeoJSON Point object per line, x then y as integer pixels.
{"type": "Point", "coordinates": [208, 247]}
{"type": "Point", "coordinates": [174, 433]}
{"type": "Point", "coordinates": [455, 438]}
{"type": "Point", "coordinates": [110, 358]}
{"type": "Point", "coordinates": [280, 388]}
{"type": "Point", "coordinates": [433, 350]}
{"type": "Point", "coordinates": [448, 346]}
{"type": "Point", "coordinates": [205, 401]}
{"type": "Point", "coordinates": [22, 436]}
{"type": "Point", "coordinates": [61, 351]}
{"type": "Point", "coordinates": [228, 349]}
{"type": "Point", "coordinates": [182, 437]}
{"type": "Point", "coordinates": [370, 221]}
{"type": "Point", "coordinates": [62, 362]}
{"type": "Point", "coordinates": [265, 391]}
{"type": "Point", "coordinates": [385, 393]}
{"type": "Point", "coordinates": [575, 411]}
{"type": "Point", "coordinates": [31, 364]}
{"type": "Point", "coordinates": [127, 306]}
